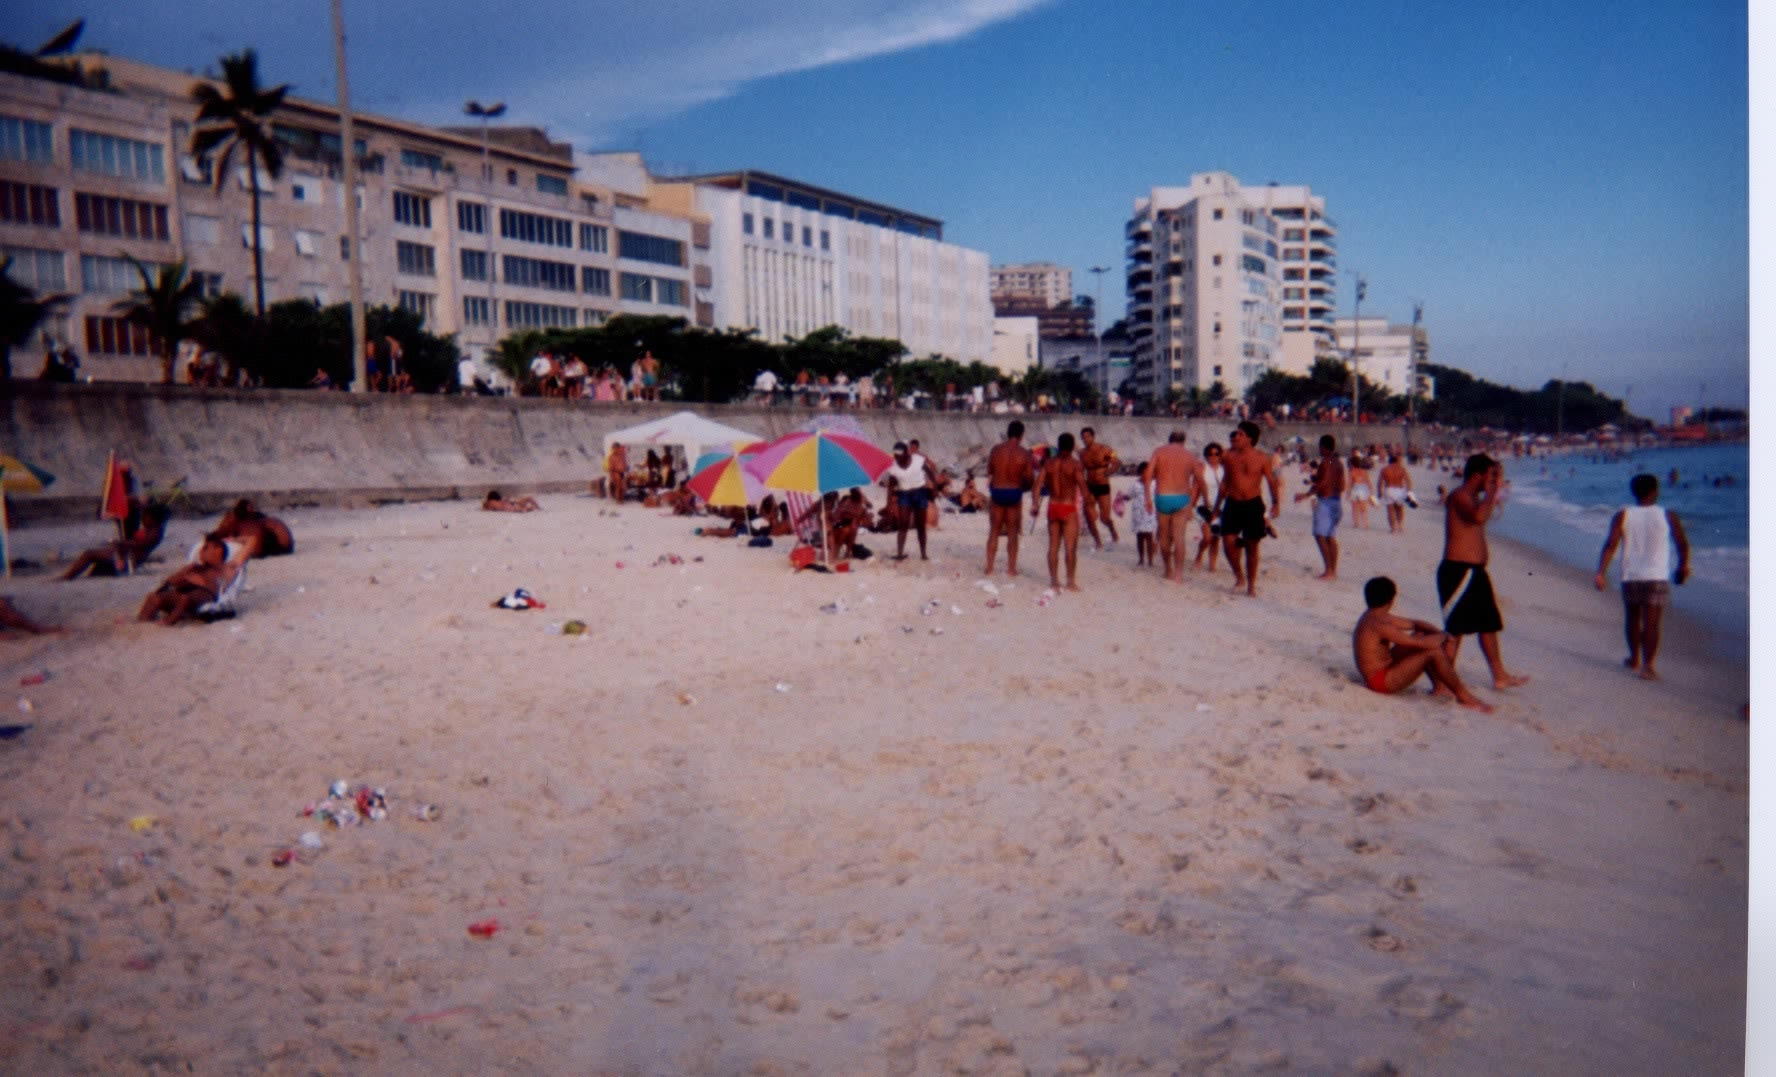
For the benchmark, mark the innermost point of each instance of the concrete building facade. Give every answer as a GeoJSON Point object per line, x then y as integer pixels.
{"type": "Point", "coordinates": [789, 258]}
{"type": "Point", "coordinates": [1207, 281]}
{"type": "Point", "coordinates": [482, 237]}
{"type": "Point", "coordinates": [1385, 353]}
{"type": "Point", "coordinates": [1016, 344]}
{"type": "Point", "coordinates": [1045, 282]}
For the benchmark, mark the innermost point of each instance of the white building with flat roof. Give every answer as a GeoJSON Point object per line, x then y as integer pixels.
{"type": "Point", "coordinates": [1385, 353]}
{"type": "Point", "coordinates": [788, 258]}
{"type": "Point", "coordinates": [1214, 269]}
{"type": "Point", "coordinates": [1016, 344]}
{"type": "Point", "coordinates": [1045, 282]}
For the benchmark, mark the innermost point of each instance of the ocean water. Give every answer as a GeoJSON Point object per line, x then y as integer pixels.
{"type": "Point", "coordinates": [1563, 504]}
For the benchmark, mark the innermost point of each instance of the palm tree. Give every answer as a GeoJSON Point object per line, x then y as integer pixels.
{"type": "Point", "coordinates": [22, 310]}
{"type": "Point", "coordinates": [160, 306]}
{"type": "Point", "coordinates": [233, 118]}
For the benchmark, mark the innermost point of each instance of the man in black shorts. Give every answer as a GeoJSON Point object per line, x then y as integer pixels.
{"type": "Point", "coordinates": [1245, 472]}
{"type": "Point", "coordinates": [1100, 462]}
{"type": "Point", "coordinates": [1463, 586]}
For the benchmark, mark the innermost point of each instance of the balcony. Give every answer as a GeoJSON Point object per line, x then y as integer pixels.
{"type": "Point", "coordinates": [1140, 275]}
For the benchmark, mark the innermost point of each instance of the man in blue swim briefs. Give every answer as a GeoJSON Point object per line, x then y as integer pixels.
{"type": "Point", "coordinates": [1010, 472]}
{"type": "Point", "coordinates": [1177, 476]}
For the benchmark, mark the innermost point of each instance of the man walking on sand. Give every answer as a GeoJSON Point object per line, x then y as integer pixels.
{"type": "Point", "coordinates": [1246, 471]}
{"type": "Point", "coordinates": [1100, 462]}
{"type": "Point", "coordinates": [1177, 480]}
{"type": "Point", "coordinates": [1328, 493]}
{"type": "Point", "coordinates": [1064, 479]}
{"type": "Point", "coordinates": [1010, 472]}
{"type": "Point", "coordinates": [1463, 586]}
{"type": "Point", "coordinates": [1396, 490]}
{"type": "Point", "coordinates": [1646, 533]}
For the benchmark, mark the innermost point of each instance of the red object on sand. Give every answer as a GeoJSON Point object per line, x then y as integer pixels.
{"type": "Point", "coordinates": [484, 929]}
{"type": "Point", "coordinates": [282, 858]}
{"type": "Point", "coordinates": [114, 498]}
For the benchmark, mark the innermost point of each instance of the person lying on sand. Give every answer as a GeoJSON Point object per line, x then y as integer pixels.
{"type": "Point", "coordinates": [124, 555]}
{"type": "Point", "coordinates": [1393, 652]}
{"type": "Point", "coordinates": [11, 618]}
{"type": "Point", "coordinates": [181, 593]}
{"type": "Point", "coordinates": [262, 535]}
{"type": "Point", "coordinates": [495, 503]}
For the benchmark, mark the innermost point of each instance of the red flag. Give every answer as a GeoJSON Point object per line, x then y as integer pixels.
{"type": "Point", "coordinates": [114, 501]}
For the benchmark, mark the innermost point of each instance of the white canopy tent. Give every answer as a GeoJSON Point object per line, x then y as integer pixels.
{"type": "Point", "coordinates": [686, 428]}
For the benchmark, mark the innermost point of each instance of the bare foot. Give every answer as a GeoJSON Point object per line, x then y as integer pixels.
{"type": "Point", "coordinates": [1647, 674]}
{"type": "Point", "coordinates": [1072, 587]}
{"type": "Point", "coordinates": [1054, 584]}
{"type": "Point", "coordinates": [1326, 576]}
{"type": "Point", "coordinates": [1474, 704]}
{"type": "Point", "coordinates": [1171, 576]}
{"type": "Point", "coordinates": [1011, 571]}
{"type": "Point", "coordinates": [1631, 662]}
{"type": "Point", "coordinates": [1509, 681]}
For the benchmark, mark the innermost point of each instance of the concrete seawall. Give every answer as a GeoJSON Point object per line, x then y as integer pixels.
{"type": "Point", "coordinates": [304, 447]}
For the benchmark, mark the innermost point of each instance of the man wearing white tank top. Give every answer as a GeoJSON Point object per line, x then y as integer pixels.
{"type": "Point", "coordinates": [1646, 534]}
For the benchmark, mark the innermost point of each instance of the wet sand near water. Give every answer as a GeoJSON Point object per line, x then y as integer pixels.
{"type": "Point", "coordinates": [1143, 828]}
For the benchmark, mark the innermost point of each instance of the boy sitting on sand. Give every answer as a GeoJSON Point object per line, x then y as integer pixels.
{"type": "Point", "coordinates": [1393, 652]}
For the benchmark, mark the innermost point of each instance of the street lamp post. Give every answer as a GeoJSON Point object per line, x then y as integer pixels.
{"type": "Point", "coordinates": [487, 113]}
{"type": "Point", "coordinates": [1356, 342]}
{"type": "Point", "coordinates": [348, 158]}
{"type": "Point", "coordinates": [1098, 326]}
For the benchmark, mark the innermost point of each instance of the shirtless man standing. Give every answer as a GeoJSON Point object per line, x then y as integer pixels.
{"type": "Point", "coordinates": [1064, 479]}
{"type": "Point", "coordinates": [1099, 461]}
{"type": "Point", "coordinates": [1010, 472]}
{"type": "Point", "coordinates": [1396, 487]}
{"type": "Point", "coordinates": [1392, 652]}
{"type": "Point", "coordinates": [1178, 480]}
{"type": "Point", "coordinates": [1462, 584]}
{"type": "Point", "coordinates": [616, 469]}
{"type": "Point", "coordinates": [1243, 523]}
{"type": "Point", "coordinates": [1327, 491]}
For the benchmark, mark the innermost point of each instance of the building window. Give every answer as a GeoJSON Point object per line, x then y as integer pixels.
{"type": "Point", "coordinates": [27, 203]}
{"type": "Point", "coordinates": [521, 315]}
{"type": "Point", "coordinates": [536, 273]}
{"type": "Point", "coordinates": [306, 242]}
{"type": "Point", "coordinates": [119, 217]}
{"type": "Point", "coordinates": [345, 248]}
{"type": "Point", "coordinates": [27, 140]}
{"type": "Point", "coordinates": [114, 336]}
{"type": "Point", "coordinates": [825, 240]}
{"type": "Point", "coordinates": [208, 284]}
{"type": "Point", "coordinates": [511, 177]}
{"type": "Point", "coordinates": [1217, 215]}
{"type": "Point", "coordinates": [299, 192]}
{"type": "Point", "coordinates": [38, 270]}
{"type": "Point", "coordinates": [638, 288]}
{"type": "Point", "coordinates": [746, 223]}
{"type": "Point", "coordinates": [595, 238]}
{"type": "Point", "coordinates": [471, 217]}
{"type": "Point", "coordinates": [595, 316]}
{"type": "Point", "coordinates": [536, 228]}
{"type": "Point", "coordinates": [100, 275]}
{"type": "Point", "coordinates": [413, 210]}
{"type": "Point", "coordinates": [671, 292]}
{"type": "Point", "coordinates": [420, 303]}
{"type": "Point", "coordinates": [1216, 260]}
{"type": "Point", "coordinates": [476, 310]}
{"type": "Point", "coordinates": [548, 184]}
{"type": "Point", "coordinates": [124, 158]}
{"type": "Point", "coordinates": [431, 162]}
{"type": "Point", "coordinates": [474, 265]}
{"type": "Point", "coordinates": [770, 225]}
{"type": "Point", "coordinates": [595, 281]}
{"type": "Point", "coordinates": [641, 247]}
{"type": "Point", "coordinates": [416, 259]}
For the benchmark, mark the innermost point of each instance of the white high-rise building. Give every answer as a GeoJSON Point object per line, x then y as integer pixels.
{"type": "Point", "coordinates": [1044, 282]}
{"type": "Point", "coordinates": [789, 258]}
{"type": "Point", "coordinates": [1209, 270]}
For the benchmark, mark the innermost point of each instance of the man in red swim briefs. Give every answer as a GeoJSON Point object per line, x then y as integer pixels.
{"type": "Point", "coordinates": [1063, 477]}
{"type": "Point", "coordinates": [1393, 652]}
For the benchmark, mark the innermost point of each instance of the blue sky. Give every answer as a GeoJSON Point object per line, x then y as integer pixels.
{"type": "Point", "coordinates": [1563, 184]}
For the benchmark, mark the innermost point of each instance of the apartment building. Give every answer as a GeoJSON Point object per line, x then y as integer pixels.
{"type": "Point", "coordinates": [1209, 268]}
{"type": "Point", "coordinates": [482, 232]}
{"type": "Point", "coordinates": [1385, 353]}
{"type": "Point", "coordinates": [1043, 282]}
{"type": "Point", "coordinates": [788, 258]}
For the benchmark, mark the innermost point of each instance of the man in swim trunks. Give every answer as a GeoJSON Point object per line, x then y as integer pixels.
{"type": "Point", "coordinates": [1064, 480]}
{"type": "Point", "coordinates": [1178, 480]}
{"type": "Point", "coordinates": [1243, 524]}
{"type": "Point", "coordinates": [909, 484]}
{"type": "Point", "coordinates": [1010, 472]}
{"type": "Point", "coordinates": [1462, 584]}
{"type": "Point", "coordinates": [1396, 487]}
{"type": "Point", "coordinates": [1392, 652]}
{"type": "Point", "coordinates": [1327, 491]}
{"type": "Point", "coordinates": [1646, 535]}
{"type": "Point", "coordinates": [1100, 462]}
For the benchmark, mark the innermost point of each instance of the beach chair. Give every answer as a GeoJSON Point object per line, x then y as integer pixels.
{"type": "Point", "coordinates": [804, 515]}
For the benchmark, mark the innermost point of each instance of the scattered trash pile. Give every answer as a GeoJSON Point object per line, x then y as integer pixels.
{"type": "Point", "coordinates": [342, 809]}
{"type": "Point", "coordinates": [519, 600]}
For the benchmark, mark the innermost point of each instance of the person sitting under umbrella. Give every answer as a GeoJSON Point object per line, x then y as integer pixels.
{"type": "Point", "coordinates": [125, 555]}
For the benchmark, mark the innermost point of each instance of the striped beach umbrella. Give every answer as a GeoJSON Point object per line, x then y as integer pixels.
{"type": "Point", "coordinates": [818, 463]}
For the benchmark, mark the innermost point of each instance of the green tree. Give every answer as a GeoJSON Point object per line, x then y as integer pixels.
{"type": "Point", "coordinates": [233, 119]}
{"type": "Point", "coordinates": [226, 327]}
{"type": "Point", "coordinates": [22, 310]}
{"type": "Point", "coordinates": [163, 305]}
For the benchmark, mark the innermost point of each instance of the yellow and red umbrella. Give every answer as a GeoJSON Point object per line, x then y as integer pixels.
{"type": "Point", "coordinates": [725, 483]}
{"type": "Point", "coordinates": [818, 462]}
{"type": "Point", "coordinates": [17, 477]}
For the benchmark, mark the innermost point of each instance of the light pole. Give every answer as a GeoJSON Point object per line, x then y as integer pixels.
{"type": "Point", "coordinates": [486, 113]}
{"type": "Point", "coordinates": [348, 157]}
{"type": "Point", "coordinates": [1356, 342]}
{"type": "Point", "coordinates": [1098, 326]}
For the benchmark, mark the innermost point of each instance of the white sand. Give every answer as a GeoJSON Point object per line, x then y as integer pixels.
{"type": "Point", "coordinates": [1142, 829]}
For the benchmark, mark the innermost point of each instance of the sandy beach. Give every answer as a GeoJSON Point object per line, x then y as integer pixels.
{"type": "Point", "coordinates": [756, 822]}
